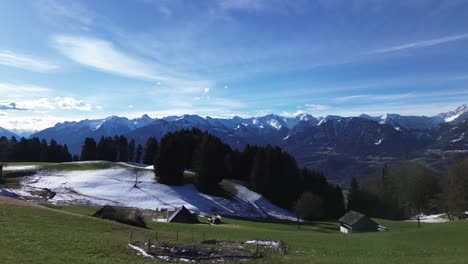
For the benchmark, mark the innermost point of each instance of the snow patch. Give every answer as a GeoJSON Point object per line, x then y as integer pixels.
{"type": "Point", "coordinates": [435, 218]}
{"type": "Point", "coordinates": [379, 142]}
{"type": "Point", "coordinates": [263, 243]}
{"type": "Point", "coordinates": [274, 123]}
{"type": "Point", "coordinates": [21, 168]}
{"type": "Point", "coordinates": [459, 139]}
{"type": "Point", "coordinates": [141, 251]}
{"type": "Point", "coordinates": [453, 117]}
{"type": "Point", "coordinates": [115, 186]}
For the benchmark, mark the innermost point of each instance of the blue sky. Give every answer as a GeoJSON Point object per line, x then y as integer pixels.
{"type": "Point", "coordinates": [71, 60]}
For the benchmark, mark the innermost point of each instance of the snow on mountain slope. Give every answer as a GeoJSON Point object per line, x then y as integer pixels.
{"type": "Point", "coordinates": [458, 115]}
{"type": "Point", "coordinates": [116, 187]}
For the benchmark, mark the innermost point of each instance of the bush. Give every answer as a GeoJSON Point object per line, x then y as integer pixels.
{"type": "Point", "coordinates": [128, 217]}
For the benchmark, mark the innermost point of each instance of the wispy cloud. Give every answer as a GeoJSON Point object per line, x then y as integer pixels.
{"type": "Point", "coordinates": [8, 88]}
{"type": "Point", "coordinates": [104, 56]}
{"type": "Point", "coordinates": [317, 107]}
{"type": "Point", "coordinates": [18, 60]}
{"type": "Point", "coordinates": [66, 103]}
{"type": "Point", "coordinates": [372, 97]}
{"type": "Point", "coordinates": [420, 44]}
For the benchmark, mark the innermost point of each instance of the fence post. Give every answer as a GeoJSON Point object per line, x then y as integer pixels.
{"type": "Point", "coordinates": [131, 237]}
{"type": "Point", "coordinates": [177, 235]}
{"type": "Point", "coordinates": [156, 236]}
{"type": "Point", "coordinates": [193, 237]}
{"type": "Point", "coordinates": [204, 236]}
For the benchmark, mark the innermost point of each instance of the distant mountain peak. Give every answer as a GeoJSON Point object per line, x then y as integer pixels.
{"type": "Point", "coordinates": [458, 115]}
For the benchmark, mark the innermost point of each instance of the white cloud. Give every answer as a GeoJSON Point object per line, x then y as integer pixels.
{"type": "Point", "coordinates": [130, 106]}
{"type": "Point", "coordinates": [70, 103]}
{"type": "Point", "coordinates": [104, 56]}
{"type": "Point", "coordinates": [42, 103]}
{"type": "Point", "coordinates": [33, 122]}
{"type": "Point", "coordinates": [67, 103]}
{"type": "Point", "coordinates": [10, 105]}
{"type": "Point", "coordinates": [26, 62]}
{"type": "Point", "coordinates": [206, 90]}
{"type": "Point", "coordinates": [420, 44]}
{"type": "Point", "coordinates": [317, 107]}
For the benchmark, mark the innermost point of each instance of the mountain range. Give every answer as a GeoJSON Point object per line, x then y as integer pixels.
{"type": "Point", "coordinates": [341, 147]}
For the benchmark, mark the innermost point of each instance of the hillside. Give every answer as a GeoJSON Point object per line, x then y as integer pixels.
{"type": "Point", "coordinates": [108, 183]}
{"type": "Point", "coordinates": [36, 234]}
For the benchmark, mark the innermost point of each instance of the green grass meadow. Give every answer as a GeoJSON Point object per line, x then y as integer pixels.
{"type": "Point", "coordinates": [67, 234]}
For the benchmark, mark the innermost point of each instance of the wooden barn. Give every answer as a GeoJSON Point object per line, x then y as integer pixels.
{"type": "Point", "coordinates": [183, 215]}
{"type": "Point", "coordinates": [355, 222]}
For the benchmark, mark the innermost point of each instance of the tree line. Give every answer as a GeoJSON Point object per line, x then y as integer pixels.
{"type": "Point", "coordinates": [267, 170]}
{"type": "Point", "coordinates": [118, 148]}
{"type": "Point", "coordinates": [33, 150]}
{"type": "Point", "coordinates": [410, 189]}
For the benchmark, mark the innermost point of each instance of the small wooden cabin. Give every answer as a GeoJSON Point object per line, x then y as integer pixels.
{"type": "Point", "coordinates": [355, 222]}
{"type": "Point", "coordinates": [183, 215]}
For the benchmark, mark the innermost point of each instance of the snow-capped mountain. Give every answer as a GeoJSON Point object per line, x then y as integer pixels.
{"type": "Point", "coordinates": [339, 146]}
{"type": "Point", "coordinates": [457, 116]}
{"type": "Point", "coordinates": [74, 133]}
{"type": "Point", "coordinates": [407, 122]}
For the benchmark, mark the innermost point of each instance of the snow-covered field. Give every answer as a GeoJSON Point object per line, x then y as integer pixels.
{"type": "Point", "coordinates": [115, 186]}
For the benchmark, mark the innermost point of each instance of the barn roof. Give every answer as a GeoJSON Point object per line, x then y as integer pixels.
{"type": "Point", "coordinates": [352, 217]}
{"type": "Point", "coordinates": [181, 210]}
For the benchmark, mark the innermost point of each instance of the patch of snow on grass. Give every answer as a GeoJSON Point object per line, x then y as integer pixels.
{"type": "Point", "coordinates": [435, 218]}
{"type": "Point", "coordinates": [21, 168]}
{"type": "Point", "coordinates": [115, 186]}
{"type": "Point", "coordinates": [141, 251]}
{"type": "Point", "coordinates": [263, 243]}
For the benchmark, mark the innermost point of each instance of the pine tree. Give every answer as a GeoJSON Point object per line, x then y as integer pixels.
{"type": "Point", "coordinates": [122, 146]}
{"type": "Point", "coordinates": [209, 164]}
{"type": "Point", "coordinates": [151, 150]}
{"type": "Point", "coordinates": [168, 167]}
{"type": "Point", "coordinates": [131, 150]}
{"type": "Point", "coordinates": [88, 150]}
{"type": "Point", "coordinates": [139, 152]}
{"type": "Point", "coordinates": [354, 196]}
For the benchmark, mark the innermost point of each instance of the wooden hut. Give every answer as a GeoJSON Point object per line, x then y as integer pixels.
{"type": "Point", "coordinates": [183, 215]}
{"type": "Point", "coordinates": [355, 222]}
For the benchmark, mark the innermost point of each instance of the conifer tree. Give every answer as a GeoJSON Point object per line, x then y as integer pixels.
{"type": "Point", "coordinates": [88, 150]}
{"type": "Point", "coordinates": [131, 150]}
{"type": "Point", "coordinates": [138, 153]}
{"type": "Point", "coordinates": [151, 150]}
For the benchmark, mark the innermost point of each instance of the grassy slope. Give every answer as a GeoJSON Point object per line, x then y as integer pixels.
{"type": "Point", "coordinates": [32, 234]}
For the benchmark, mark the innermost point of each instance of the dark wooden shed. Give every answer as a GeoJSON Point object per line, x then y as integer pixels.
{"type": "Point", "coordinates": [355, 222]}
{"type": "Point", "coordinates": [183, 215]}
